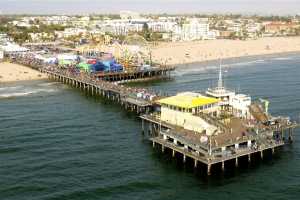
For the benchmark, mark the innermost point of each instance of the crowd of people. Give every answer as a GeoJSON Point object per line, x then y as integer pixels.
{"type": "Point", "coordinates": [29, 59]}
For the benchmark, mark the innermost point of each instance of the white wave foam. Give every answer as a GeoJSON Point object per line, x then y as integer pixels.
{"type": "Point", "coordinates": [48, 84]}
{"type": "Point", "coordinates": [10, 88]}
{"type": "Point", "coordinates": [199, 69]}
{"type": "Point", "coordinates": [283, 58]}
{"type": "Point", "coordinates": [190, 71]}
{"type": "Point", "coordinates": [15, 94]}
{"type": "Point", "coordinates": [25, 93]}
{"type": "Point", "coordinates": [247, 63]}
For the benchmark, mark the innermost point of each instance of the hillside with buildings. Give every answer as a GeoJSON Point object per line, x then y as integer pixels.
{"type": "Point", "coordinates": [153, 27]}
{"type": "Point", "coordinates": [171, 39]}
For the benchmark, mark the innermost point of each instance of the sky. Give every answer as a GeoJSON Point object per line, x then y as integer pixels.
{"type": "Point", "coordinates": [263, 7]}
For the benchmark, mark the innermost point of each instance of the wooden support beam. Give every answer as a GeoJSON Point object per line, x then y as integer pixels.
{"type": "Point", "coordinates": [143, 126]}
{"type": "Point", "coordinates": [195, 163]}
{"type": "Point", "coordinates": [209, 169]}
{"type": "Point", "coordinates": [290, 135]}
{"type": "Point", "coordinates": [223, 166]}
{"type": "Point", "coordinates": [236, 162]}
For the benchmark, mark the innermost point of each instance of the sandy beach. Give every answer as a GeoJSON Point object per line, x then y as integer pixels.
{"type": "Point", "coordinates": [199, 51]}
{"type": "Point", "coordinates": [10, 72]}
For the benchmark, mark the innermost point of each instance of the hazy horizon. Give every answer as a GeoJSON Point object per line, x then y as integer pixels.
{"type": "Point", "coordinates": [266, 7]}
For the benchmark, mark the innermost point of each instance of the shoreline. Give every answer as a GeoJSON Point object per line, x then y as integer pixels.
{"type": "Point", "coordinates": [182, 53]}
{"type": "Point", "coordinates": [270, 55]}
{"type": "Point", "coordinates": [12, 72]}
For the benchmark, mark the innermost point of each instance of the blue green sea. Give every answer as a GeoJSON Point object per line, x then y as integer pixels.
{"type": "Point", "coordinates": [58, 143]}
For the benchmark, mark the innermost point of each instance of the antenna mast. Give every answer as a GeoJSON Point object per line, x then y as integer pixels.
{"type": "Point", "coordinates": [220, 81]}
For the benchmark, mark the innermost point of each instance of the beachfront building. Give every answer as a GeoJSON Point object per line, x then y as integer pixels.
{"type": "Point", "coordinates": [195, 29]}
{"type": "Point", "coordinates": [235, 27]}
{"type": "Point", "coordinates": [161, 26]}
{"type": "Point", "coordinates": [254, 30]}
{"type": "Point", "coordinates": [279, 28]}
{"type": "Point", "coordinates": [121, 26]}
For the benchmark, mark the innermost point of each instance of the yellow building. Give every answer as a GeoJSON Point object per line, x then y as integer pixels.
{"type": "Point", "coordinates": [185, 110]}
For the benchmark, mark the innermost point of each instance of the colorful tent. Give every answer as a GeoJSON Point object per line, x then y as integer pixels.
{"type": "Point", "coordinates": [84, 66]}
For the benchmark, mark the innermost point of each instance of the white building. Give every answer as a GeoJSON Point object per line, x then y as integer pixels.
{"type": "Point", "coordinates": [161, 26]}
{"type": "Point", "coordinates": [4, 38]}
{"type": "Point", "coordinates": [74, 32]}
{"type": "Point", "coordinates": [183, 110]}
{"type": "Point", "coordinates": [21, 24]}
{"type": "Point", "coordinates": [229, 99]}
{"type": "Point", "coordinates": [56, 20]}
{"type": "Point", "coordinates": [236, 27]}
{"type": "Point", "coordinates": [240, 104]}
{"type": "Point", "coordinates": [196, 29]}
{"type": "Point", "coordinates": [36, 37]}
{"type": "Point", "coordinates": [120, 27]}
{"type": "Point", "coordinates": [10, 47]}
{"type": "Point", "coordinates": [253, 29]}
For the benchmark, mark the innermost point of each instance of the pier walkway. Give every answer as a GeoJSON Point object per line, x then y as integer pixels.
{"type": "Point", "coordinates": [126, 96]}
{"type": "Point", "coordinates": [105, 84]}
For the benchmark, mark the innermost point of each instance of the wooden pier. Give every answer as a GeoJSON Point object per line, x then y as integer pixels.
{"type": "Point", "coordinates": [107, 85]}
{"type": "Point", "coordinates": [188, 145]}
{"type": "Point", "coordinates": [136, 75]}
{"type": "Point", "coordinates": [168, 136]}
{"type": "Point", "coordinates": [125, 96]}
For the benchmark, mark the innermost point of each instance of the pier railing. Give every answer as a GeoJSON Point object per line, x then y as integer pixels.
{"type": "Point", "coordinates": [213, 121]}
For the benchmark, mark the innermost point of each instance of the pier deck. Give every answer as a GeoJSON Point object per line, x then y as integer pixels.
{"type": "Point", "coordinates": [215, 160]}
{"type": "Point", "coordinates": [126, 96]}
{"type": "Point", "coordinates": [106, 84]}
{"type": "Point", "coordinates": [188, 143]}
{"type": "Point", "coordinates": [137, 75]}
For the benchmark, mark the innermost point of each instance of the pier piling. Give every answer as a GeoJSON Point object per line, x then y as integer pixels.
{"type": "Point", "coordinates": [208, 169]}
{"type": "Point", "coordinates": [195, 163]}
{"type": "Point", "coordinates": [173, 153]}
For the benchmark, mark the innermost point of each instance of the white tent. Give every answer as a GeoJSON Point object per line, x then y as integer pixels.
{"type": "Point", "coordinates": [13, 48]}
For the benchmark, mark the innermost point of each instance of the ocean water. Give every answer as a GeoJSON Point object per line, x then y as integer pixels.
{"type": "Point", "coordinates": [58, 143]}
